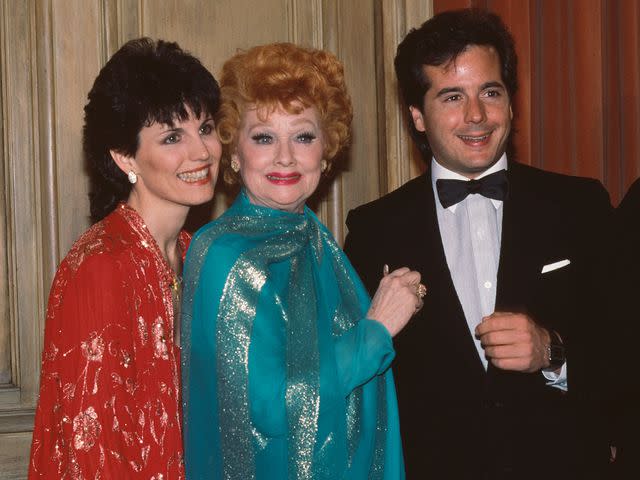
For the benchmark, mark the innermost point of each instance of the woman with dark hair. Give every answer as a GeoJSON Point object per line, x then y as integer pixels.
{"type": "Point", "coordinates": [109, 391]}
{"type": "Point", "coordinates": [286, 358]}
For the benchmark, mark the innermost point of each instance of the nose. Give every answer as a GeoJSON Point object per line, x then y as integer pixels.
{"type": "Point", "coordinates": [285, 155]}
{"type": "Point", "coordinates": [200, 150]}
{"type": "Point", "coordinates": [475, 111]}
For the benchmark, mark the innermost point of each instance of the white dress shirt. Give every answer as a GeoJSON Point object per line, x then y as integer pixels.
{"type": "Point", "coordinates": [471, 232]}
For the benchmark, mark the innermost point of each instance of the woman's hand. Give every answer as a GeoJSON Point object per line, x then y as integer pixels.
{"type": "Point", "coordinates": [398, 298]}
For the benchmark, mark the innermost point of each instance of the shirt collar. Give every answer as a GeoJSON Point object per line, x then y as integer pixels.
{"type": "Point", "coordinates": [438, 172]}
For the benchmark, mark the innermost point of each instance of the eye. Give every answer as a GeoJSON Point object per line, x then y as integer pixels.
{"type": "Point", "coordinates": [306, 137]}
{"type": "Point", "coordinates": [453, 98]}
{"type": "Point", "coordinates": [493, 93]}
{"type": "Point", "coordinates": [171, 139]}
{"type": "Point", "coordinates": [262, 138]}
{"type": "Point", "coordinates": [206, 129]}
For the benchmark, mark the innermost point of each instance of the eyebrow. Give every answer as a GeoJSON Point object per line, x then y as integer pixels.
{"type": "Point", "coordinates": [172, 130]}
{"type": "Point", "coordinates": [301, 122]}
{"type": "Point", "coordinates": [448, 90]}
{"type": "Point", "coordinates": [180, 129]}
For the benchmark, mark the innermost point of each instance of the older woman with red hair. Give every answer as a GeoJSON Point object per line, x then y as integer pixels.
{"type": "Point", "coordinates": [285, 358]}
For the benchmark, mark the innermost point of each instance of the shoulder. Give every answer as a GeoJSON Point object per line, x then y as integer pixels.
{"type": "Point", "coordinates": [215, 238]}
{"type": "Point", "coordinates": [92, 274]}
{"type": "Point", "coordinates": [99, 256]}
{"type": "Point", "coordinates": [213, 252]}
{"type": "Point", "coordinates": [631, 201]}
{"type": "Point", "coordinates": [412, 193]}
{"type": "Point", "coordinates": [102, 242]}
{"type": "Point", "coordinates": [628, 215]}
{"type": "Point", "coordinates": [558, 188]}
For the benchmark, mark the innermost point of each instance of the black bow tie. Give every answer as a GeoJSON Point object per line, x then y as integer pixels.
{"type": "Point", "coordinates": [493, 186]}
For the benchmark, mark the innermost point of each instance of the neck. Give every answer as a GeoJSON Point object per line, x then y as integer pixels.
{"type": "Point", "coordinates": [164, 222]}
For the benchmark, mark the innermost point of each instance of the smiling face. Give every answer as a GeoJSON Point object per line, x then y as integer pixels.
{"type": "Point", "coordinates": [176, 165]}
{"type": "Point", "coordinates": [467, 111]}
{"type": "Point", "coordinates": [280, 158]}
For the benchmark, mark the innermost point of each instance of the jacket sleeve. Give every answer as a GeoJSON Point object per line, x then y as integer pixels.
{"type": "Point", "coordinates": [82, 415]}
{"type": "Point", "coordinates": [358, 248]}
{"type": "Point", "coordinates": [362, 352]}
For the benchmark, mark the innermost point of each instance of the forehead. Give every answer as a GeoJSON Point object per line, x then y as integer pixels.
{"type": "Point", "coordinates": [258, 115]}
{"type": "Point", "coordinates": [172, 117]}
{"type": "Point", "coordinates": [174, 123]}
{"type": "Point", "coordinates": [476, 64]}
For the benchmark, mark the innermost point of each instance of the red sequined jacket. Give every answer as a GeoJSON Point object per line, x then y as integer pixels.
{"type": "Point", "coordinates": [109, 404]}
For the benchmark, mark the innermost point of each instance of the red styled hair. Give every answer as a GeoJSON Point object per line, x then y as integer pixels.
{"type": "Point", "coordinates": [283, 76]}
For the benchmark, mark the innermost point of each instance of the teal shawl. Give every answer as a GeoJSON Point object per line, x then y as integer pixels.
{"type": "Point", "coordinates": [283, 376]}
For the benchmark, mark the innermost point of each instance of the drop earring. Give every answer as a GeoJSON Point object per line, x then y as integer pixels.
{"type": "Point", "coordinates": [132, 177]}
{"type": "Point", "coordinates": [323, 165]}
{"type": "Point", "coordinates": [235, 166]}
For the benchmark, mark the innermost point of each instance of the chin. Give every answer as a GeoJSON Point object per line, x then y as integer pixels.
{"type": "Point", "coordinates": [482, 164]}
{"type": "Point", "coordinates": [288, 205]}
{"type": "Point", "coordinates": [196, 200]}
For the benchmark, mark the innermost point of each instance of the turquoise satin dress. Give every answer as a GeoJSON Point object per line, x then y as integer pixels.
{"type": "Point", "coordinates": [283, 376]}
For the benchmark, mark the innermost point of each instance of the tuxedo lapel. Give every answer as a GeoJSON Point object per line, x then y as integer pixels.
{"type": "Point", "coordinates": [518, 267]}
{"type": "Point", "coordinates": [442, 307]}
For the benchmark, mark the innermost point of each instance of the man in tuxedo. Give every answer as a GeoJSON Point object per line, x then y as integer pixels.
{"type": "Point", "coordinates": [500, 375]}
{"type": "Point", "coordinates": [626, 404]}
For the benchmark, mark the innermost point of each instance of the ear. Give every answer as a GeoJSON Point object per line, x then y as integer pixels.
{"type": "Point", "coordinates": [418, 120]}
{"type": "Point", "coordinates": [124, 162]}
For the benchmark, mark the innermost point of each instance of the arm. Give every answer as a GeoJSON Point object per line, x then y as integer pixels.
{"type": "Point", "coordinates": [519, 342]}
{"type": "Point", "coordinates": [358, 248]}
{"type": "Point", "coordinates": [366, 349]}
{"type": "Point", "coordinates": [394, 302]}
{"type": "Point", "coordinates": [205, 275]}
{"type": "Point", "coordinates": [624, 395]}
{"type": "Point", "coordinates": [83, 372]}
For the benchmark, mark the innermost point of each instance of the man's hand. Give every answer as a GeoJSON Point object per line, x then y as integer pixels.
{"type": "Point", "coordinates": [513, 341]}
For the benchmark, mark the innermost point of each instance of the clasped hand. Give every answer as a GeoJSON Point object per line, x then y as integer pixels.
{"type": "Point", "coordinates": [513, 341]}
{"type": "Point", "coordinates": [396, 300]}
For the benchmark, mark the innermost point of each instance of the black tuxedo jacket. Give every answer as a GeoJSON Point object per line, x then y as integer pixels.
{"type": "Point", "coordinates": [459, 421]}
{"type": "Point", "coordinates": [626, 404]}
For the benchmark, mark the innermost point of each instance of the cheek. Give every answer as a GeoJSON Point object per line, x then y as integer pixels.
{"type": "Point", "coordinates": [505, 117]}
{"type": "Point", "coordinates": [249, 159]}
{"type": "Point", "coordinates": [442, 120]}
{"type": "Point", "coordinates": [313, 178]}
{"type": "Point", "coordinates": [311, 158]}
{"type": "Point", "coordinates": [215, 148]}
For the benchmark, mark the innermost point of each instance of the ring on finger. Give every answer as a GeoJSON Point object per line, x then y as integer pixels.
{"type": "Point", "coordinates": [421, 291]}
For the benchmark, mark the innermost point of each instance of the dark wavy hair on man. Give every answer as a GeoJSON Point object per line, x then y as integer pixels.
{"type": "Point", "coordinates": [439, 41]}
{"type": "Point", "coordinates": [143, 83]}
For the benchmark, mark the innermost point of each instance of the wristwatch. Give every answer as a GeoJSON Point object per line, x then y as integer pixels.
{"type": "Point", "coordinates": [555, 351]}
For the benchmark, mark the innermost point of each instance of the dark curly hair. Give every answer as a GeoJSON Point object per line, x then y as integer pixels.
{"type": "Point", "coordinates": [144, 82]}
{"type": "Point", "coordinates": [439, 41]}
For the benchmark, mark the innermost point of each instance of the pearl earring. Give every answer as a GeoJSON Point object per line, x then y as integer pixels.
{"type": "Point", "coordinates": [133, 178]}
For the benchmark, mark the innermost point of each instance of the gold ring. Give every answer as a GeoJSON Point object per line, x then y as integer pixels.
{"type": "Point", "coordinates": [421, 291]}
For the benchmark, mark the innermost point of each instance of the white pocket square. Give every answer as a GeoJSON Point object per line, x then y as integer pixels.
{"type": "Point", "coordinates": [555, 265]}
